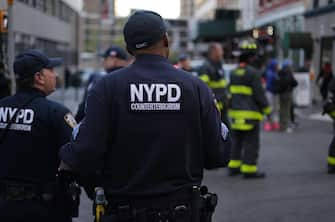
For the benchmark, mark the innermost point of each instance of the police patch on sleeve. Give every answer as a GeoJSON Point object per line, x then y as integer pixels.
{"type": "Point", "coordinates": [155, 97]}
{"type": "Point", "coordinates": [224, 131]}
{"type": "Point", "coordinates": [70, 120]}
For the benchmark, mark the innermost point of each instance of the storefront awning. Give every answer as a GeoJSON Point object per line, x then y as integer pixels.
{"type": "Point", "coordinates": [216, 30]}
{"type": "Point", "coordinates": [298, 40]}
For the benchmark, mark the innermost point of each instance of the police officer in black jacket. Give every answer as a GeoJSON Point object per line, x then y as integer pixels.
{"type": "Point", "coordinates": [32, 128]}
{"type": "Point", "coordinates": [150, 129]}
{"type": "Point", "coordinates": [114, 58]}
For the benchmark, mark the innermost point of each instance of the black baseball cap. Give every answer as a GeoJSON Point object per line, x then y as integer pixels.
{"type": "Point", "coordinates": [32, 61]}
{"type": "Point", "coordinates": [143, 29]}
{"type": "Point", "coordinates": [116, 51]}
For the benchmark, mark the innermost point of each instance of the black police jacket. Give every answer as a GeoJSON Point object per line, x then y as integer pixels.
{"type": "Point", "coordinates": [149, 128]}
{"type": "Point", "coordinates": [29, 151]}
{"type": "Point", "coordinates": [92, 80]}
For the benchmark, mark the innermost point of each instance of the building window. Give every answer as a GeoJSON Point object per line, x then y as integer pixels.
{"type": "Point", "coordinates": [183, 44]}
{"type": "Point", "coordinates": [33, 3]}
{"type": "Point", "coordinates": [316, 4]}
{"type": "Point", "coordinates": [24, 1]}
{"type": "Point", "coordinates": [261, 3]}
{"type": "Point", "coordinates": [268, 3]}
{"type": "Point", "coordinates": [64, 12]}
{"type": "Point", "coordinates": [40, 4]}
{"type": "Point", "coordinates": [184, 34]}
{"type": "Point", "coordinates": [49, 7]}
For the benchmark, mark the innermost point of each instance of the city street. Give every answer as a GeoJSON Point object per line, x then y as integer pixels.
{"type": "Point", "coordinates": [297, 187]}
{"type": "Point", "coordinates": [238, 48]}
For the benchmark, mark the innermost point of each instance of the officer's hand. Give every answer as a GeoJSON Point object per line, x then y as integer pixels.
{"type": "Point", "coordinates": [64, 166]}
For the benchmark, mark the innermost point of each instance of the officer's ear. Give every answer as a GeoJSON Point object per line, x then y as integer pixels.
{"type": "Point", "coordinates": [130, 51]}
{"type": "Point", "coordinates": [39, 77]}
{"type": "Point", "coordinates": [166, 40]}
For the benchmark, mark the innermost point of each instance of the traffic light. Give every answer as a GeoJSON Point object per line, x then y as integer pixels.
{"type": "Point", "coordinates": [3, 21]}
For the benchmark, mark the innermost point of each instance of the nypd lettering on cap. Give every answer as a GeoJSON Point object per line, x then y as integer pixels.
{"type": "Point", "coordinates": [155, 96]}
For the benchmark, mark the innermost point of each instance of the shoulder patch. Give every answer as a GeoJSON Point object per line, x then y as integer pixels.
{"type": "Point", "coordinates": [70, 120]}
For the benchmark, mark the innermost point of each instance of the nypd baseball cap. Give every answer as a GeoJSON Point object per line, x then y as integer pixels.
{"type": "Point", "coordinates": [32, 61]}
{"type": "Point", "coordinates": [143, 29]}
{"type": "Point", "coordinates": [116, 51]}
{"type": "Point", "coordinates": [183, 57]}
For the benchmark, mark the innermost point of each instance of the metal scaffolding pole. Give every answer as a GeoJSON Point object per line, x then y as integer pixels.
{"type": "Point", "coordinates": [11, 44]}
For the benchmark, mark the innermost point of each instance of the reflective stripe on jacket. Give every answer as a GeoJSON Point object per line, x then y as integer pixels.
{"type": "Point", "coordinates": [213, 75]}
{"type": "Point", "coordinates": [248, 101]}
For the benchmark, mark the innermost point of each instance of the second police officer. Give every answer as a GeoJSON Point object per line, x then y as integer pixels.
{"type": "Point", "coordinates": [150, 129]}
{"type": "Point", "coordinates": [248, 105]}
{"type": "Point", "coordinates": [32, 129]}
{"type": "Point", "coordinates": [114, 58]}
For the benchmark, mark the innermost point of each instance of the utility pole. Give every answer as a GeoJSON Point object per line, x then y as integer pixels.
{"type": "Point", "coordinates": [11, 44]}
{"type": "Point", "coordinates": [99, 33]}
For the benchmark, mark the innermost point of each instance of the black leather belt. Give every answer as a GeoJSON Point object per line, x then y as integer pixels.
{"type": "Point", "coordinates": [127, 213]}
{"type": "Point", "coordinates": [167, 207]}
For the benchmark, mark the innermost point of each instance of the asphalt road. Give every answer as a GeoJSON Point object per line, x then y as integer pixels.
{"type": "Point", "coordinates": [296, 189]}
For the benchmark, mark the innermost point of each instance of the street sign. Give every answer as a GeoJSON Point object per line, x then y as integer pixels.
{"type": "Point", "coordinates": [302, 93]}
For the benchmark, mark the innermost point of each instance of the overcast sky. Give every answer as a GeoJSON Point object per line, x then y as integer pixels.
{"type": "Point", "coordinates": [167, 8]}
{"type": "Point", "coordinates": [77, 4]}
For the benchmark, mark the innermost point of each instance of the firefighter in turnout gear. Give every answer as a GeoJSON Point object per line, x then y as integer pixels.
{"type": "Point", "coordinates": [212, 73]}
{"type": "Point", "coordinates": [329, 109]}
{"type": "Point", "coordinates": [248, 105]}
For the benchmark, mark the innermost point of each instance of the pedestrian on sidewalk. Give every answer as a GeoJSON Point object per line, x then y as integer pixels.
{"type": "Point", "coordinates": [271, 76]}
{"type": "Point", "coordinates": [325, 76]}
{"type": "Point", "coordinates": [184, 63]}
{"type": "Point", "coordinates": [287, 83]}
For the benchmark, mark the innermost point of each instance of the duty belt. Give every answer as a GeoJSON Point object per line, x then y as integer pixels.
{"type": "Point", "coordinates": [157, 201]}
{"type": "Point", "coordinates": [195, 204]}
